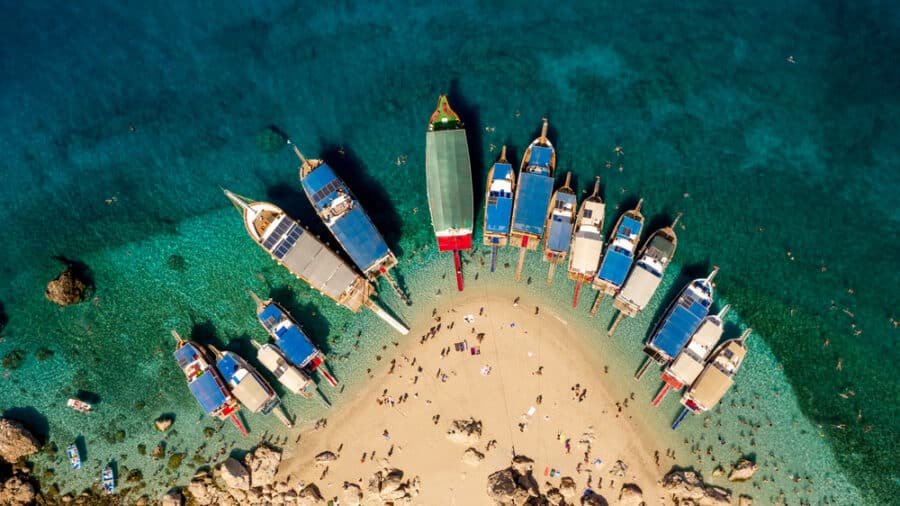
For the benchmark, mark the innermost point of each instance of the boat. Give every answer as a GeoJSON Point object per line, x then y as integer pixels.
{"type": "Point", "coordinates": [108, 480]}
{"type": "Point", "coordinates": [248, 386]}
{"type": "Point", "coordinates": [79, 405]}
{"type": "Point", "coordinates": [644, 279]}
{"type": "Point", "coordinates": [559, 226]}
{"type": "Point", "coordinates": [293, 247]}
{"type": "Point", "coordinates": [501, 183]}
{"type": "Point", "coordinates": [619, 254]}
{"type": "Point", "coordinates": [448, 178]}
{"type": "Point", "coordinates": [290, 338]}
{"type": "Point", "coordinates": [532, 196]}
{"type": "Point", "coordinates": [73, 456]}
{"type": "Point", "coordinates": [716, 378]}
{"type": "Point", "coordinates": [587, 241]}
{"type": "Point", "coordinates": [205, 383]}
{"type": "Point", "coordinates": [341, 212]}
{"type": "Point", "coordinates": [688, 364]}
{"type": "Point", "coordinates": [682, 319]}
{"type": "Point", "coordinates": [289, 375]}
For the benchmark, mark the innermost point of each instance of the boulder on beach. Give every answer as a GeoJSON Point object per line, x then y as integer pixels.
{"type": "Point", "coordinates": [618, 469]}
{"type": "Point", "coordinates": [515, 485]}
{"type": "Point", "coordinates": [234, 474]}
{"type": "Point", "coordinates": [172, 498]}
{"type": "Point", "coordinates": [591, 498]}
{"type": "Point", "coordinates": [743, 470]}
{"type": "Point", "coordinates": [163, 423]}
{"type": "Point", "coordinates": [631, 494]}
{"type": "Point", "coordinates": [465, 431]}
{"type": "Point", "coordinates": [389, 486]}
{"type": "Point", "coordinates": [567, 487]}
{"type": "Point", "coordinates": [16, 441]}
{"type": "Point", "coordinates": [472, 457]}
{"type": "Point", "coordinates": [16, 492]}
{"type": "Point", "coordinates": [744, 500]}
{"type": "Point", "coordinates": [684, 486]}
{"type": "Point", "coordinates": [310, 495]}
{"type": "Point", "coordinates": [522, 464]}
{"type": "Point", "coordinates": [325, 457]}
{"type": "Point", "coordinates": [263, 464]}
{"type": "Point", "coordinates": [352, 494]}
{"type": "Point", "coordinates": [66, 289]}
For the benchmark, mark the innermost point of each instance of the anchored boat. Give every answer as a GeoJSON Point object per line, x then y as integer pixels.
{"type": "Point", "coordinates": [716, 378]}
{"type": "Point", "coordinates": [248, 386]}
{"type": "Point", "coordinates": [79, 405]}
{"type": "Point", "coordinates": [73, 456]}
{"type": "Point", "coordinates": [339, 209]}
{"type": "Point", "coordinates": [306, 257]}
{"type": "Point", "coordinates": [647, 274]}
{"type": "Point", "coordinates": [688, 364]}
{"type": "Point", "coordinates": [290, 339]}
{"type": "Point", "coordinates": [532, 196]}
{"type": "Point", "coordinates": [559, 226]}
{"type": "Point", "coordinates": [682, 319]}
{"type": "Point", "coordinates": [292, 378]}
{"type": "Point", "coordinates": [619, 254]}
{"type": "Point", "coordinates": [108, 480]}
{"type": "Point", "coordinates": [448, 177]}
{"type": "Point", "coordinates": [587, 241]}
{"type": "Point", "coordinates": [205, 383]}
{"type": "Point", "coordinates": [501, 182]}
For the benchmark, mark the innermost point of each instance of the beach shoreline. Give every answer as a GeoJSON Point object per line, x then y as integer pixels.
{"type": "Point", "coordinates": [522, 382]}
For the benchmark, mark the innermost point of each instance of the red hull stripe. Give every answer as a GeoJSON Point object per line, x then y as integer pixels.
{"type": "Point", "coordinates": [454, 242]}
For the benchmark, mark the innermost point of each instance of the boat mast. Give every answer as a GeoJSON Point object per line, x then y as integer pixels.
{"type": "Point", "coordinates": [743, 339]}
{"type": "Point", "coordinates": [241, 203]}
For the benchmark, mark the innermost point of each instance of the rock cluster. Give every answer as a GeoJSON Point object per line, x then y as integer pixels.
{"type": "Point", "coordinates": [66, 289]}
{"type": "Point", "coordinates": [686, 488]}
{"type": "Point", "coordinates": [631, 494]}
{"type": "Point", "coordinates": [516, 485]}
{"type": "Point", "coordinates": [236, 483]}
{"type": "Point", "coordinates": [15, 441]}
{"type": "Point", "coordinates": [743, 470]}
{"type": "Point", "coordinates": [465, 431]}
{"type": "Point", "coordinates": [472, 457]}
{"type": "Point", "coordinates": [16, 492]}
{"type": "Point", "coordinates": [388, 487]}
{"type": "Point", "coordinates": [163, 423]}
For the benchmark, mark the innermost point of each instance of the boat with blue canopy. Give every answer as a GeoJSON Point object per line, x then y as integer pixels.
{"type": "Point", "coordinates": [205, 383]}
{"type": "Point", "coordinates": [300, 252]}
{"type": "Point", "coordinates": [587, 241]}
{"type": "Point", "coordinates": [73, 456]}
{"type": "Point", "coordinates": [501, 183]}
{"type": "Point", "coordinates": [290, 339]}
{"type": "Point", "coordinates": [647, 274]}
{"type": "Point", "coordinates": [108, 480]}
{"type": "Point", "coordinates": [559, 226]}
{"type": "Point", "coordinates": [619, 254]}
{"type": "Point", "coordinates": [248, 386]}
{"type": "Point", "coordinates": [533, 195]}
{"type": "Point", "coordinates": [341, 212]}
{"type": "Point", "coordinates": [681, 320]}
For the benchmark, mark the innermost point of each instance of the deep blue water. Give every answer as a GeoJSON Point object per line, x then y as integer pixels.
{"type": "Point", "coordinates": [119, 124]}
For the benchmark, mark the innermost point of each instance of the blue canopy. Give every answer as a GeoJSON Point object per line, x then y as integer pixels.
{"type": "Point", "coordinates": [354, 230]}
{"type": "Point", "coordinates": [208, 392]}
{"type": "Point", "coordinates": [186, 354]}
{"type": "Point", "coordinates": [227, 366]}
{"type": "Point", "coordinates": [540, 157]}
{"type": "Point", "coordinates": [679, 325]}
{"type": "Point", "coordinates": [533, 196]}
{"type": "Point", "coordinates": [498, 210]}
{"type": "Point", "coordinates": [294, 344]}
{"type": "Point", "coordinates": [502, 170]}
{"type": "Point", "coordinates": [615, 265]}
{"type": "Point", "coordinates": [560, 234]}
{"type": "Point", "coordinates": [629, 227]}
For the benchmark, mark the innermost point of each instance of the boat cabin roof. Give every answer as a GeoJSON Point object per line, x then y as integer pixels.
{"type": "Point", "coordinates": [615, 265]}
{"type": "Point", "coordinates": [502, 170]}
{"type": "Point", "coordinates": [680, 323]}
{"type": "Point", "coordinates": [448, 177]}
{"type": "Point", "coordinates": [187, 354]}
{"type": "Point", "coordinates": [292, 341]}
{"type": "Point", "coordinates": [533, 198]}
{"type": "Point", "coordinates": [640, 287]}
{"type": "Point", "coordinates": [208, 392]}
{"type": "Point", "coordinates": [629, 228]}
{"type": "Point", "coordinates": [540, 157]}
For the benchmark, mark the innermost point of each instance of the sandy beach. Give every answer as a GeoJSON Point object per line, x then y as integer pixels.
{"type": "Point", "coordinates": [519, 372]}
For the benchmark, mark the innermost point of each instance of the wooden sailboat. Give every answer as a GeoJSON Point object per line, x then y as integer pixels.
{"type": "Point", "coordinates": [619, 255]}
{"type": "Point", "coordinates": [587, 241]}
{"type": "Point", "coordinates": [501, 184]}
{"type": "Point", "coordinates": [560, 225]}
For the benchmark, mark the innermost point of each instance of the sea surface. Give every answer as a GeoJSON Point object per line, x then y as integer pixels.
{"type": "Point", "coordinates": [767, 124]}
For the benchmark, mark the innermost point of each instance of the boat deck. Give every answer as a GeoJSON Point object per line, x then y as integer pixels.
{"type": "Point", "coordinates": [353, 228]}
{"type": "Point", "coordinates": [532, 201]}
{"type": "Point", "coordinates": [292, 342]}
{"type": "Point", "coordinates": [247, 388]}
{"type": "Point", "coordinates": [562, 221]}
{"type": "Point", "coordinates": [541, 156]}
{"type": "Point", "coordinates": [287, 374]}
{"type": "Point", "coordinates": [498, 212]}
{"type": "Point", "coordinates": [638, 289]}
{"type": "Point", "coordinates": [448, 175]}
{"type": "Point", "coordinates": [679, 324]}
{"type": "Point", "coordinates": [208, 391]}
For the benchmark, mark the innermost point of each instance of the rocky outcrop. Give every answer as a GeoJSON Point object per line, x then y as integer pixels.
{"type": "Point", "coordinates": [16, 441]}
{"type": "Point", "coordinates": [465, 431]}
{"type": "Point", "coordinates": [325, 457]}
{"type": "Point", "coordinates": [567, 487]}
{"type": "Point", "coordinates": [234, 474]}
{"type": "Point", "coordinates": [686, 488]}
{"type": "Point", "coordinates": [173, 498]}
{"type": "Point", "coordinates": [66, 289]}
{"type": "Point", "coordinates": [16, 492]}
{"type": "Point", "coordinates": [514, 485]}
{"type": "Point", "coordinates": [352, 495]}
{"type": "Point", "coordinates": [163, 423]}
{"type": "Point", "coordinates": [263, 464]}
{"type": "Point", "coordinates": [472, 457]}
{"type": "Point", "coordinates": [309, 496]}
{"type": "Point", "coordinates": [592, 498]}
{"type": "Point", "coordinates": [631, 494]}
{"type": "Point", "coordinates": [388, 486]}
{"type": "Point", "coordinates": [744, 500]}
{"type": "Point", "coordinates": [743, 470]}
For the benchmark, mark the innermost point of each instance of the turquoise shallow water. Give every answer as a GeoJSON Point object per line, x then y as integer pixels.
{"type": "Point", "coordinates": [763, 156]}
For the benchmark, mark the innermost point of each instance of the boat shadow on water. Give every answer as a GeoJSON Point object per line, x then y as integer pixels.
{"type": "Point", "coordinates": [471, 119]}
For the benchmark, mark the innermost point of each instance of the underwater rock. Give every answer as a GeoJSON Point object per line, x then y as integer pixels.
{"type": "Point", "coordinates": [66, 289]}
{"type": "Point", "coordinates": [163, 423]}
{"type": "Point", "coordinates": [743, 470]}
{"type": "Point", "coordinates": [270, 139]}
{"type": "Point", "coordinates": [16, 441]}
{"type": "Point", "coordinates": [234, 474]}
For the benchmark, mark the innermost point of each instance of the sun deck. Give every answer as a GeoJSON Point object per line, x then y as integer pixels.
{"type": "Point", "coordinates": [448, 175]}
{"type": "Point", "coordinates": [679, 324]}
{"type": "Point", "coordinates": [209, 392]}
{"type": "Point", "coordinates": [246, 387]}
{"type": "Point", "coordinates": [562, 221]}
{"type": "Point", "coordinates": [295, 380]}
{"type": "Point", "coordinates": [292, 342]}
{"type": "Point", "coordinates": [498, 210]}
{"type": "Point", "coordinates": [532, 201]}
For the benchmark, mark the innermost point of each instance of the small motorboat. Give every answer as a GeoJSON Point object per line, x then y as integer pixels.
{"type": "Point", "coordinates": [108, 480]}
{"type": "Point", "coordinates": [73, 456]}
{"type": "Point", "coordinates": [80, 406]}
